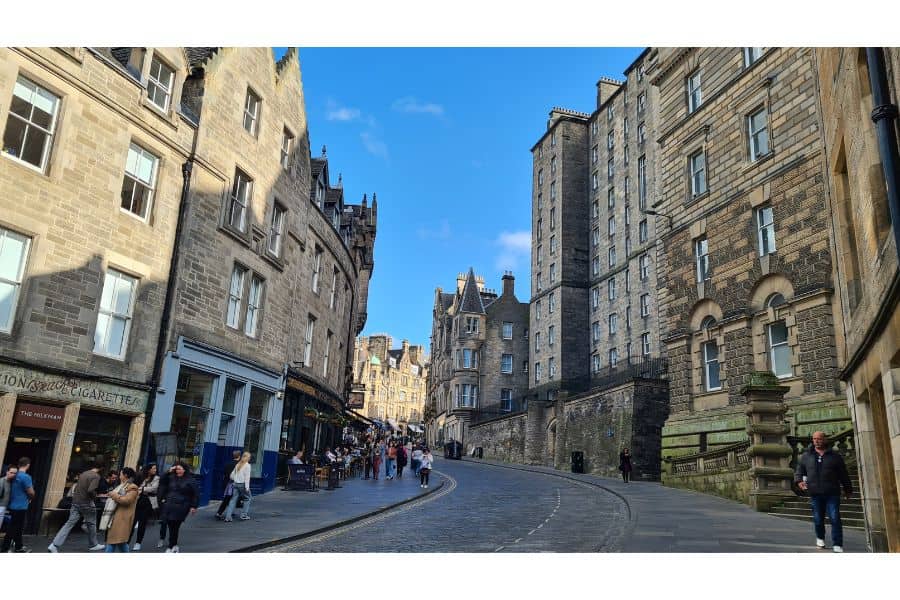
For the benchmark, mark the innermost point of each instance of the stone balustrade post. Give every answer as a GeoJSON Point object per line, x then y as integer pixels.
{"type": "Point", "coordinates": [769, 451]}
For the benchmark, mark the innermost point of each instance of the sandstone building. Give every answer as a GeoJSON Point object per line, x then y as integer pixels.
{"type": "Point", "coordinates": [859, 88]}
{"type": "Point", "coordinates": [390, 381]}
{"type": "Point", "coordinates": [479, 354]}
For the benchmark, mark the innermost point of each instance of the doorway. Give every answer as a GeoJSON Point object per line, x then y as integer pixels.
{"type": "Point", "coordinates": [36, 444]}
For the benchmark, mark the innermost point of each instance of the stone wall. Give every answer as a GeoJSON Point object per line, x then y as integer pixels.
{"type": "Point", "coordinates": [734, 484]}
{"type": "Point", "coordinates": [501, 439]}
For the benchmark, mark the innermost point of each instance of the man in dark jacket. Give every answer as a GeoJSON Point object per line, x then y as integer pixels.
{"type": "Point", "coordinates": [822, 473]}
{"type": "Point", "coordinates": [84, 495]}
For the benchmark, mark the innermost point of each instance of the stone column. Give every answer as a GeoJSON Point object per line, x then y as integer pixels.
{"type": "Point", "coordinates": [769, 451]}
{"type": "Point", "coordinates": [135, 438]}
{"type": "Point", "coordinates": [7, 410]}
{"type": "Point", "coordinates": [560, 460]}
{"type": "Point", "coordinates": [535, 434]}
{"type": "Point", "coordinates": [62, 453]}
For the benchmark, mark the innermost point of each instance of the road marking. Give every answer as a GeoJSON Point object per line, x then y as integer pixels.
{"type": "Point", "coordinates": [500, 548]}
{"type": "Point", "coordinates": [517, 540]}
{"type": "Point", "coordinates": [541, 525]}
{"type": "Point", "coordinates": [532, 531]}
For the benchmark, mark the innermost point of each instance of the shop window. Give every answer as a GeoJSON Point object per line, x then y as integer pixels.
{"type": "Point", "coordinates": [99, 437]}
{"type": "Point", "coordinates": [191, 414]}
{"type": "Point", "coordinates": [257, 427]}
{"type": "Point", "coordinates": [234, 390]}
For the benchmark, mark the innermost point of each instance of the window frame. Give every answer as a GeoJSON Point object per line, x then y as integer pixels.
{"type": "Point", "coordinates": [772, 348]}
{"type": "Point", "coordinates": [645, 305]}
{"type": "Point", "coordinates": [308, 340]}
{"type": "Point", "coordinates": [503, 359]}
{"type": "Point", "coordinates": [20, 275]}
{"type": "Point", "coordinates": [707, 362]}
{"type": "Point", "coordinates": [761, 226]}
{"type": "Point", "coordinates": [276, 229]}
{"type": "Point", "coordinates": [287, 139]}
{"type": "Point", "coordinates": [235, 201]}
{"type": "Point", "coordinates": [235, 300]}
{"type": "Point", "coordinates": [149, 185]}
{"type": "Point", "coordinates": [254, 308]}
{"type": "Point", "coordinates": [112, 314]}
{"type": "Point", "coordinates": [255, 115]}
{"type": "Point", "coordinates": [749, 58]}
{"type": "Point", "coordinates": [156, 82]}
{"type": "Point", "coordinates": [694, 172]}
{"type": "Point", "coordinates": [694, 91]}
{"type": "Point", "coordinates": [701, 259]}
{"type": "Point", "coordinates": [50, 133]}
{"type": "Point", "coordinates": [752, 135]}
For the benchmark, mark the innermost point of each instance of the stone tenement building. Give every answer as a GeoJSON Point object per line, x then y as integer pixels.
{"type": "Point", "coordinates": [479, 356]}
{"type": "Point", "coordinates": [390, 382]}
{"type": "Point", "coordinates": [858, 86]}
{"type": "Point", "coordinates": [746, 269]}
{"type": "Point", "coordinates": [91, 176]}
{"type": "Point", "coordinates": [169, 190]}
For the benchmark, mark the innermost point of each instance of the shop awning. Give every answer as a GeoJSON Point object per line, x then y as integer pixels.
{"type": "Point", "coordinates": [393, 424]}
{"type": "Point", "coordinates": [415, 428]}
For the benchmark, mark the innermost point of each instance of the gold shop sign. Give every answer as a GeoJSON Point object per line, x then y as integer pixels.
{"type": "Point", "coordinates": [71, 389]}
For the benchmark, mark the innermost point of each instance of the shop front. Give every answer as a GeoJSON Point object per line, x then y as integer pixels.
{"type": "Point", "coordinates": [215, 403]}
{"type": "Point", "coordinates": [65, 424]}
{"type": "Point", "coordinates": [312, 419]}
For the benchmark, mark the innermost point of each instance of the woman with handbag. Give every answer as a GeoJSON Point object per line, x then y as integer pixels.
{"type": "Point", "coordinates": [146, 504]}
{"type": "Point", "coordinates": [425, 468]}
{"type": "Point", "coordinates": [625, 464]}
{"type": "Point", "coordinates": [181, 499]}
{"type": "Point", "coordinates": [118, 513]}
{"type": "Point", "coordinates": [240, 476]}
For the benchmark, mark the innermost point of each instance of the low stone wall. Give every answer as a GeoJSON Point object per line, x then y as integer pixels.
{"type": "Point", "coordinates": [733, 484]}
{"type": "Point", "coordinates": [502, 439]}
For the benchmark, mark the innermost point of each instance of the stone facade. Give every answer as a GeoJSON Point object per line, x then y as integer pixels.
{"type": "Point", "coordinates": [392, 382]}
{"type": "Point", "coordinates": [866, 271]}
{"type": "Point", "coordinates": [745, 268]}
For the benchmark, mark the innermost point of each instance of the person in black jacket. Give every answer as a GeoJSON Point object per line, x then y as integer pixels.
{"type": "Point", "coordinates": [822, 473]}
{"type": "Point", "coordinates": [181, 499]}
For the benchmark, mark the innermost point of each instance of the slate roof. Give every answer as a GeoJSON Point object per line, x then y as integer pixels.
{"type": "Point", "coordinates": [198, 56]}
{"type": "Point", "coordinates": [447, 300]}
{"type": "Point", "coordinates": [471, 298]}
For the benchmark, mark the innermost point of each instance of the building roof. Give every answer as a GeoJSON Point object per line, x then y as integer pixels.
{"type": "Point", "coordinates": [447, 300]}
{"type": "Point", "coordinates": [471, 298]}
{"type": "Point", "coordinates": [198, 56]}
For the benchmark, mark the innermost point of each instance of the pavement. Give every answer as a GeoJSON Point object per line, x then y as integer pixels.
{"type": "Point", "coordinates": [277, 515]}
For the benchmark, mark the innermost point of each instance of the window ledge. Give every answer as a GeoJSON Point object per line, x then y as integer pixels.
{"type": "Point", "coordinates": [697, 198]}
{"type": "Point", "coordinates": [752, 164]}
{"type": "Point", "coordinates": [275, 261]}
{"type": "Point", "coordinates": [25, 165]}
{"type": "Point", "coordinates": [165, 115]}
{"type": "Point", "coordinates": [240, 236]}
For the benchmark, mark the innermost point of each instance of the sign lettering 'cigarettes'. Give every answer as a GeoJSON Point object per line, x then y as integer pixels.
{"type": "Point", "coordinates": [71, 389]}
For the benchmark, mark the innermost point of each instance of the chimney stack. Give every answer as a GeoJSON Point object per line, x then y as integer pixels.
{"type": "Point", "coordinates": [509, 283]}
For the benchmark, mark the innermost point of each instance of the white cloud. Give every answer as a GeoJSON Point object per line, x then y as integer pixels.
{"type": "Point", "coordinates": [442, 232]}
{"type": "Point", "coordinates": [514, 247]}
{"type": "Point", "coordinates": [373, 145]}
{"type": "Point", "coordinates": [409, 104]}
{"type": "Point", "coordinates": [335, 112]}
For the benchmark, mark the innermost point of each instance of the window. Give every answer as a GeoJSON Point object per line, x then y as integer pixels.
{"type": "Point", "coordinates": [610, 169]}
{"type": "Point", "coordinates": [594, 155]}
{"type": "Point", "coordinates": [552, 244]}
{"type": "Point", "coordinates": [525, 367]}
{"type": "Point", "coordinates": [540, 228]}
{"type": "Point", "coordinates": [609, 112]}
{"type": "Point", "coordinates": [553, 166]}
{"type": "Point", "coordinates": [611, 226]}
{"type": "Point", "coordinates": [307, 351]}
{"type": "Point", "coordinates": [640, 73]}
{"type": "Point", "coordinates": [114, 319]}
{"type": "Point", "coordinates": [551, 367]}
{"type": "Point", "coordinates": [627, 210]}
{"type": "Point", "coordinates": [627, 281]}
{"type": "Point", "coordinates": [470, 358]}
{"type": "Point", "coordinates": [645, 343]}
{"type": "Point", "coordinates": [693, 91]}
{"type": "Point", "coordinates": [779, 350]}
{"type": "Point", "coordinates": [642, 103]}
{"type": "Point", "coordinates": [625, 128]}
{"type": "Point", "coordinates": [539, 253]}
{"type": "Point", "coordinates": [610, 140]}
{"type": "Point", "coordinates": [334, 285]}
{"type": "Point", "coordinates": [276, 229]}
{"type": "Point", "coordinates": [552, 219]}
{"type": "Point", "coordinates": [13, 255]}
{"type": "Point", "coordinates": [235, 294]}
{"type": "Point", "coordinates": [541, 151]}
{"type": "Point", "coordinates": [595, 363]}
{"type": "Point", "coordinates": [611, 288]}
{"type": "Point", "coordinates": [551, 303]}
{"type": "Point", "coordinates": [251, 113]}
{"type": "Point", "coordinates": [471, 325]}
{"type": "Point", "coordinates": [551, 335]}
{"type": "Point", "coordinates": [537, 341]}
{"type": "Point", "coordinates": [159, 84]}
{"type": "Point", "coordinates": [241, 192]}
{"type": "Point", "coordinates": [613, 322]}
{"type": "Point", "coordinates": [595, 237]}
{"type": "Point", "coordinates": [765, 225]}
{"type": "Point", "coordinates": [645, 305]}
{"type": "Point", "coordinates": [594, 128]}
{"type": "Point", "coordinates": [645, 266]}
{"type": "Point", "coordinates": [595, 331]}
{"type": "Point", "coordinates": [697, 163]}
{"type": "Point", "coordinates": [642, 231]}
{"type": "Point", "coordinates": [317, 268]}
{"type": "Point", "coordinates": [751, 55]}
{"type": "Point", "coordinates": [466, 395]}
{"type": "Point", "coordinates": [642, 134]}
{"type": "Point", "coordinates": [701, 255]}
{"type": "Point", "coordinates": [626, 186]}
{"type": "Point", "coordinates": [611, 256]}
{"type": "Point", "coordinates": [140, 176]}
{"type": "Point", "coordinates": [507, 330]}
{"type": "Point", "coordinates": [287, 144]}
{"type": "Point", "coordinates": [595, 298]}
{"type": "Point", "coordinates": [711, 366]}
{"type": "Point", "coordinates": [613, 357]}
{"type": "Point", "coordinates": [537, 372]}
{"type": "Point", "coordinates": [254, 305]}
{"type": "Point", "coordinates": [506, 398]}
{"type": "Point", "coordinates": [595, 266]}
{"type": "Point", "coordinates": [31, 124]}
{"type": "Point", "coordinates": [628, 317]}
{"type": "Point", "coordinates": [537, 310]}
{"type": "Point", "coordinates": [540, 177]}
{"type": "Point", "coordinates": [595, 181]}
{"type": "Point", "coordinates": [553, 139]}
{"type": "Point", "coordinates": [642, 183]}
{"type": "Point", "coordinates": [611, 199]}
{"type": "Point", "coordinates": [506, 363]}
{"type": "Point", "coordinates": [758, 133]}
{"type": "Point", "coordinates": [627, 246]}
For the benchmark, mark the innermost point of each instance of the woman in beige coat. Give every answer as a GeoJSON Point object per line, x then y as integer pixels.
{"type": "Point", "coordinates": [125, 498]}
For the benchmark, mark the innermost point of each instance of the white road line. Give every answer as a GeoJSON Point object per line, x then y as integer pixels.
{"type": "Point", "coordinates": [541, 525]}
{"type": "Point", "coordinates": [532, 531]}
{"type": "Point", "coordinates": [500, 548]}
{"type": "Point", "coordinates": [517, 540]}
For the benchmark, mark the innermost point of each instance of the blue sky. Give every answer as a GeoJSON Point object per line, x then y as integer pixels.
{"type": "Point", "coordinates": [443, 136]}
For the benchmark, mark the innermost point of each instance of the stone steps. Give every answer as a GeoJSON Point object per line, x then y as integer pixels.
{"type": "Point", "coordinates": [852, 515]}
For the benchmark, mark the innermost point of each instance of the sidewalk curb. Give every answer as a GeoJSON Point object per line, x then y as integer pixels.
{"type": "Point", "coordinates": [333, 526]}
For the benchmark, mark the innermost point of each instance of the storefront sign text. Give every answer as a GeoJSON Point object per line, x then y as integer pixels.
{"type": "Point", "coordinates": [39, 417]}
{"type": "Point", "coordinates": [71, 389]}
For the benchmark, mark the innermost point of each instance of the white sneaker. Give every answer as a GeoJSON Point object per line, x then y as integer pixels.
{"type": "Point", "coordinates": [838, 549]}
{"type": "Point", "coordinates": [175, 549]}
{"type": "Point", "coordinates": [97, 548]}
{"type": "Point", "coordinates": [426, 486]}
{"type": "Point", "coordinates": [820, 543]}
{"type": "Point", "coordinates": [168, 550]}
{"type": "Point", "coordinates": [52, 548]}
{"type": "Point", "coordinates": [137, 548]}
{"type": "Point", "coordinates": [160, 543]}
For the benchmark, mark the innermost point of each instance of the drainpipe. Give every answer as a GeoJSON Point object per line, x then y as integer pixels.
{"type": "Point", "coordinates": [166, 318]}
{"type": "Point", "coordinates": [884, 114]}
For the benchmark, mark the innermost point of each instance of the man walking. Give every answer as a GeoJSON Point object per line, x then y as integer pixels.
{"type": "Point", "coordinates": [822, 473]}
{"type": "Point", "coordinates": [84, 496]}
{"type": "Point", "coordinates": [6, 487]}
{"type": "Point", "coordinates": [21, 493]}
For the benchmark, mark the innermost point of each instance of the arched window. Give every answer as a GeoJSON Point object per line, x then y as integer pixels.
{"type": "Point", "coordinates": [775, 300]}
{"type": "Point", "coordinates": [708, 323]}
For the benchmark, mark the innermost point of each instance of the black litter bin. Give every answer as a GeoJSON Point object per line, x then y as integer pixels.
{"type": "Point", "coordinates": [453, 450]}
{"type": "Point", "coordinates": [479, 452]}
{"type": "Point", "coordinates": [578, 462]}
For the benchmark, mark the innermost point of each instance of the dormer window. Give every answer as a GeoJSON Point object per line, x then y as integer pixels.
{"type": "Point", "coordinates": [159, 84]}
{"type": "Point", "coordinates": [320, 193]}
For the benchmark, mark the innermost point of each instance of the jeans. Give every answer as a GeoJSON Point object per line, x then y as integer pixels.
{"type": "Point", "coordinates": [239, 492]}
{"type": "Point", "coordinates": [14, 529]}
{"type": "Point", "coordinates": [423, 476]}
{"type": "Point", "coordinates": [116, 548]}
{"type": "Point", "coordinates": [89, 514]}
{"type": "Point", "coordinates": [414, 465]}
{"type": "Point", "coordinates": [389, 467]}
{"type": "Point", "coordinates": [174, 527]}
{"type": "Point", "coordinates": [832, 505]}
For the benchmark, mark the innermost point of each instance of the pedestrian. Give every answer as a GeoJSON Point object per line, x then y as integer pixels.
{"type": "Point", "coordinates": [161, 492]}
{"type": "Point", "coordinates": [425, 468]}
{"type": "Point", "coordinates": [416, 462]}
{"type": "Point", "coordinates": [401, 459]}
{"type": "Point", "coordinates": [121, 506]}
{"type": "Point", "coordinates": [377, 459]}
{"type": "Point", "coordinates": [5, 487]}
{"type": "Point", "coordinates": [146, 503]}
{"type": "Point", "coordinates": [240, 477]}
{"type": "Point", "coordinates": [227, 484]}
{"type": "Point", "coordinates": [84, 509]}
{"type": "Point", "coordinates": [822, 473]}
{"type": "Point", "coordinates": [181, 499]}
{"type": "Point", "coordinates": [625, 464]}
{"type": "Point", "coordinates": [391, 465]}
{"type": "Point", "coordinates": [21, 493]}
{"type": "Point", "coordinates": [368, 456]}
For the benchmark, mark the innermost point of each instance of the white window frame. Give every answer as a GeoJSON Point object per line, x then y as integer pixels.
{"type": "Point", "coordinates": [327, 357]}
{"type": "Point", "coordinates": [507, 331]}
{"type": "Point", "coordinates": [310, 333]}
{"type": "Point", "coordinates": [595, 331]}
{"type": "Point", "coordinates": [595, 363]}
{"type": "Point", "coordinates": [537, 342]}
{"type": "Point", "coordinates": [612, 323]}
{"type": "Point", "coordinates": [506, 399]}
{"type": "Point", "coordinates": [551, 367]}
{"type": "Point", "coordinates": [611, 198]}
{"type": "Point", "coordinates": [537, 371]}
{"type": "Point", "coordinates": [613, 357]}
{"type": "Point", "coordinates": [552, 244]}
{"type": "Point", "coordinates": [694, 93]}
{"type": "Point", "coordinates": [240, 199]}
{"type": "Point", "coordinates": [334, 284]}
{"type": "Point", "coordinates": [506, 363]}
{"type": "Point", "coordinates": [645, 266]}
{"type": "Point", "coordinates": [552, 273]}
{"type": "Point", "coordinates": [755, 135]}
{"type": "Point", "coordinates": [113, 276]}
{"type": "Point", "coordinates": [645, 305]}
{"type": "Point", "coordinates": [595, 298]}
{"type": "Point", "coordinates": [765, 230]}
{"type": "Point", "coordinates": [18, 274]}
{"type": "Point", "coordinates": [697, 166]}
{"type": "Point", "coordinates": [287, 144]}
{"type": "Point", "coordinates": [707, 363]}
{"type": "Point", "coordinates": [235, 296]}
{"type": "Point", "coordinates": [595, 237]}
{"type": "Point", "coordinates": [34, 90]}
{"type": "Point", "coordinates": [611, 226]}
{"type": "Point", "coordinates": [701, 259]}
{"type": "Point", "coordinates": [611, 256]}
{"type": "Point", "coordinates": [317, 268]}
{"type": "Point", "coordinates": [610, 140]}
{"type": "Point", "coordinates": [751, 55]}
{"type": "Point", "coordinates": [254, 304]}
{"type": "Point", "coordinates": [251, 111]}
{"type": "Point", "coordinates": [772, 349]}
{"type": "Point", "coordinates": [610, 168]}
{"type": "Point", "coordinates": [642, 133]}
{"type": "Point", "coordinates": [155, 80]}
{"type": "Point", "coordinates": [595, 154]}
{"type": "Point", "coordinates": [551, 335]}
{"type": "Point", "coordinates": [645, 343]}
{"type": "Point", "coordinates": [642, 183]}
{"type": "Point", "coordinates": [611, 288]}
{"type": "Point", "coordinates": [276, 229]}
{"type": "Point", "coordinates": [551, 303]}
